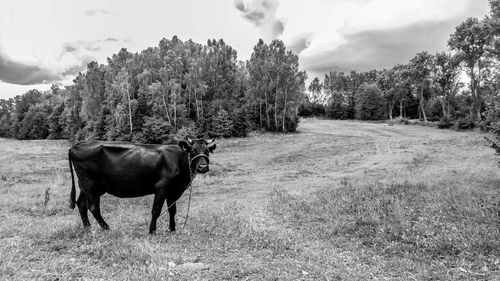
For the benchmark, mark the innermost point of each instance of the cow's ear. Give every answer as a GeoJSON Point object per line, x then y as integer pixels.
{"type": "Point", "coordinates": [209, 141]}
{"type": "Point", "coordinates": [185, 146]}
{"type": "Point", "coordinates": [211, 147]}
{"type": "Point", "coordinates": [189, 139]}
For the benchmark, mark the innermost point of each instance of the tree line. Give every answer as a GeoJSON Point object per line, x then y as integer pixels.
{"type": "Point", "coordinates": [429, 87]}
{"type": "Point", "coordinates": [183, 87]}
{"type": "Point", "coordinates": [173, 89]}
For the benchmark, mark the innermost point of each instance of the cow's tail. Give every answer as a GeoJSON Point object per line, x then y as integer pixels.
{"type": "Point", "coordinates": [72, 195]}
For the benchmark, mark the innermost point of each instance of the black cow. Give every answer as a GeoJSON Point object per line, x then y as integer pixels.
{"type": "Point", "coordinates": [131, 170]}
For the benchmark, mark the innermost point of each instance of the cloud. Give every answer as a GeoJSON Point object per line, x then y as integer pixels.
{"type": "Point", "coordinates": [72, 59]}
{"type": "Point", "coordinates": [20, 73]}
{"type": "Point", "coordinates": [262, 13]}
{"type": "Point", "coordinates": [77, 68]}
{"type": "Point", "coordinates": [94, 12]}
{"type": "Point", "coordinates": [379, 49]}
{"type": "Point", "coordinates": [359, 34]}
{"type": "Point", "coordinates": [75, 56]}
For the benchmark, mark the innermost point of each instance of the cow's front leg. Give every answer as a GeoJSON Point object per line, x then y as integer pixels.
{"type": "Point", "coordinates": [172, 210]}
{"type": "Point", "coordinates": [156, 212]}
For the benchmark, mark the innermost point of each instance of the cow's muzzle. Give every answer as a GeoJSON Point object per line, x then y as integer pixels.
{"type": "Point", "coordinates": [202, 168]}
{"type": "Point", "coordinates": [201, 163]}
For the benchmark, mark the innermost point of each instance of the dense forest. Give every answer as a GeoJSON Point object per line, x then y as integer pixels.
{"type": "Point", "coordinates": [174, 89]}
{"type": "Point", "coordinates": [183, 87]}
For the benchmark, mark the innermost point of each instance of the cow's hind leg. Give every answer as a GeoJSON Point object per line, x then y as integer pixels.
{"type": "Point", "coordinates": [82, 207]}
{"type": "Point", "coordinates": [156, 212]}
{"type": "Point", "coordinates": [95, 209]}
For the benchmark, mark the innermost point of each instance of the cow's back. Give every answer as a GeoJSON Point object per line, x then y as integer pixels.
{"type": "Point", "coordinates": [121, 169]}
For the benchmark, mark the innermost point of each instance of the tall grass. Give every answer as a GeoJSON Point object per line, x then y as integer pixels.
{"type": "Point", "coordinates": [458, 227]}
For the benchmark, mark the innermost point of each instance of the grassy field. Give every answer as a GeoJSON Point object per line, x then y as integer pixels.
{"type": "Point", "coordinates": [338, 201]}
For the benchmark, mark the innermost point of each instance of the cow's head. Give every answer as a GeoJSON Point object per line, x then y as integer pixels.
{"type": "Point", "coordinates": [198, 150]}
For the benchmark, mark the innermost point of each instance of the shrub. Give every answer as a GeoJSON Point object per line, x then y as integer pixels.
{"type": "Point", "coordinates": [445, 123]}
{"type": "Point", "coordinates": [403, 121]}
{"type": "Point", "coordinates": [336, 111]}
{"type": "Point", "coordinates": [291, 123]}
{"type": "Point", "coordinates": [187, 129]}
{"type": "Point", "coordinates": [483, 125]}
{"type": "Point", "coordinates": [309, 109]}
{"type": "Point", "coordinates": [494, 127]}
{"type": "Point", "coordinates": [465, 123]}
{"type": "Point", "coordinates": [34, 124]}
{"type": "Point", "coordinates": [154, 130]}
{"type": "Point", "coordinates": [240, 123]}
{"type": "Point", "coordinates": [221, 125]}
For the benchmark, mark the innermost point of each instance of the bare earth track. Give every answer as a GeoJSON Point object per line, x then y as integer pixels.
{"type": "Point", "coordinates": [241, 225]}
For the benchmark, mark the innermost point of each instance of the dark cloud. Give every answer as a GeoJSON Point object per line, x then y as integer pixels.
{"type": "Point", "coordinates": [300, 43]}
{"type": "Point", "coordinates": [77, 48]}
{"type": "Point", "coordinates": [75, 69]}
{"type": "Point", "coordinates": [365, 50]}
{"type": "Point", "coordinates": [93, 12]}
{"type": "Point", "coordinates": [239, 5]}
{"type": "Point", "coordinates": [24, 74]}
{"type": "Point", "coordinates": [261, 13]}
{"type": "Point", "coordinates": [379, 49]}
{"type": "Point", "coordinates": [82, 51]}
{"type": "Point", "coordinates": [277, 28]}
{"type": "Point", "coordinates": [255, 13]}
{"type": "Point", "coordinates": [255, 16]}
{"type": "Point", "coordinates": [69, 49]}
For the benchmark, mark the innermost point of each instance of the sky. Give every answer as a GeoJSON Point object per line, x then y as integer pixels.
{"type": "Point", "coordinates": [49, 42]}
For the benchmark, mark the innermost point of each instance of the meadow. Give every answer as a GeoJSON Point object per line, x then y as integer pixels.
{"type": "Point", "coordinates": [339, 200]}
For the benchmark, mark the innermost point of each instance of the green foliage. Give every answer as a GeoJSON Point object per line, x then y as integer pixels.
{"type": "Point", "coordinates": [445, 123]}
{"type": "Point", "coordinates": [315, 89]}
{"type": "Point", "coordinates": [370, 104]}
{"type": "Point", "coordinates": [154, 130]}
{"type": "Point", "coordinates": [308, 109]}
{"type": "Point", "coordinates": [471, 40]}
{"type": "Point", "coordinates": [291, 123]}
{"type": "Point", "coordinates": [6, 116]}
{"type": "Point", "coordinates": [336, 111]}
{"type": "Point", "coordinates": [184, 82]}
{"type": "Point", "coordinates": [35, 123]}
{"type": "Point", "coordinates": [222, 125]}
{"type": "Point", "coordinates": [161, 92]}
{"type": "Point", "coordinates": [434, 109]}
{"type": "Point", "coordinates": [275, 87]}
{"type": "Point", "coordinates": [56, 127]}
{"type": "Point", "coordinates": [241, 119]}
{"type": "Point", "coordinates": [465, 123]}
